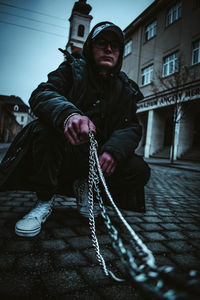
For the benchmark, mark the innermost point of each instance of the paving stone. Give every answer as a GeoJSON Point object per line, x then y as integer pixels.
{"type": "Point", "coordinates": [62, 282]}
{"type": "Point", "coordinates": [6, 215]}
{"type": "Point", "coordinates": [6, 232]}
{"type": "Point", "coordinates": [128, 213]}
{"type": "Point", "coordinates": [136, 228]}
{"type": "Point", "coordinates": [170, 220]}
{"type": "Point", "coordinates": [186, 260]}
{"type": "Point", "coordinates": [195, 243]}
{"type": "Point", "coordinates": [121, 292]}
{"type": "Point", "coordinates": [17, 200]}
{"type": "Point", "coordinates": [150, 227]}
{"type": "Point", "coordinates": [123, 273]}
{"type": "Point", "coordinates": [33, 262]}
{"type": "Point", "coordinates": [133, 220]}
{"type": "Point", "coordinates": [166, 214]}
{"type": "Point", "coordinates": [18, 245]}
{"type": "Point", "coordinates": [51, 223]}
{"type": "Point", "coordinates": [94, 275]}
{"type": "Point", "coordinates": [104, 239]}
{"type": "Point", "coordinates": [163, 260]}
{"type": "Point", "coordinates": [155, 236]}
{"type": "Point", "coordinates": [15, 203]}
{"type": "Point", "coordinates": [152, 219]}
{"type": "Point", "coordinates": [64, 232]}
{"type": "Point", "coordinates": [81, 242]}
{"type": "Point", "coordinates": [193, 234]}
{"type": "Point", "coordinates": [195, 215]}
{"type": "Point", "coordinates": [73, 222]}
{"type": "Point", "coordinates": [6, 261]}
{"type": "Point", "coordinates": [83, 230]}
{"type": "Point", "coordinates": [20, 209]}
{"type": "Point", "coordinates": [14, 285]}
{"type": "Point", "coordinates": [70, 259]}
{"type": "Point", "coordinates": [28, 204]}
{"type": "Point", "coordinates": [175, 235]}
{"type": "Point", "coordinates": [188, 220]}
{"type": "Point", "coordinates": [83, 294]}
{"type": "Point", "coordinates": [157, 247]}
{"type": "Point", "coordinates": [171, 226]}
{"type": "Point", "coordinates": [5, 208]}
{"type": "Point", "coordinates": [179, 246]}
{"type": "Point", "coordinates": [54, 245]}
{"type": "Point", "coordinates": [106, 253]}
{"type": "Point", "coordinates": [151, 213]}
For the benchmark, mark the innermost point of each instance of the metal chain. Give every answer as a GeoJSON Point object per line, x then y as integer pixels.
{"type": "Point", "coordinates": [146, 273]}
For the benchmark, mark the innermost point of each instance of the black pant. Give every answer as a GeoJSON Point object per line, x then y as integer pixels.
{"type": "Point", "coordinates": [56, 164]}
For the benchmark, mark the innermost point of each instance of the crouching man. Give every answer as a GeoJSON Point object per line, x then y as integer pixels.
{"type": "Point", "coordinates": [50, 155]}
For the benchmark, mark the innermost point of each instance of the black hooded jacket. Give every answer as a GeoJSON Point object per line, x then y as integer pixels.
{"type": "Point", "coordinates": [77, 87]}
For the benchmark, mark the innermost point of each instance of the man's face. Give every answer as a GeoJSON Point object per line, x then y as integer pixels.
{"type": "Point", "coordinates": [106, 50]}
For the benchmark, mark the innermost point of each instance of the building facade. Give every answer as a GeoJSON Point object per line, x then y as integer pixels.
{"type": "Point", "coordinates": [9, 127]}
{"type": "Point", "coordinates": [162, 54]}
{"type": "Point", "coordinates": [14, 108]}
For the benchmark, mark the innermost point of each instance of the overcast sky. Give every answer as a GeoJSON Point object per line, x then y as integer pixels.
{"type": "Point", "coordinates": [28, 47]}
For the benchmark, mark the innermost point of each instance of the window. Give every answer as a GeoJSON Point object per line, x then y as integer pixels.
{"type": "Point", "coordinates": [170, 64]}
{"type": "Point", "coordinates": [81, 30]}
{"type": "Point", "coordinates": [147, 74]}
{"type": "Point", "coordinates": [150, 30]}
{"type": "Point", "coordinates": [22, 118]}
{"type": "Point", "coordinates": [16, 108]}
{"type": "Point", "coordinates": [128, 48]}
{"type": "Point", "coordinates": [174, 13]}
{"type": "Point", "coordinates": [196, 52]}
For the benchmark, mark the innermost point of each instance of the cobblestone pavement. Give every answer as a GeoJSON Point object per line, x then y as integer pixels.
{"type": "Point", "coordinates": [60, 262]}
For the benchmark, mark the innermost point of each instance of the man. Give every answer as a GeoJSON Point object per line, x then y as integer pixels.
{"type": "Point", "coordinates": [50, 155]}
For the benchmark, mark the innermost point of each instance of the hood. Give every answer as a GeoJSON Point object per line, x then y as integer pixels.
{"type": "Point", "coordinates": [97, 29]}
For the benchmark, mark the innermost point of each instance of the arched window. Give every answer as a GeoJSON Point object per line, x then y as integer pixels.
{"type": "Point", "coordinates": [81, 30]}
{"type": "Point", "coordinates": [16, 108]}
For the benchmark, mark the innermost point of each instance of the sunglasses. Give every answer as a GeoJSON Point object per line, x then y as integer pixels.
{"type": "Point", "coordinates": [103, 44]}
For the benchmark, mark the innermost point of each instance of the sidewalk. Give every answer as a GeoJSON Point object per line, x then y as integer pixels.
{"type": "Point", "coordinates": [60, 263]}
{"type": "Point", "coordinates": [178, 164]}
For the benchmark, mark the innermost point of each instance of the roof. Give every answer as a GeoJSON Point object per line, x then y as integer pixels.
{"type": "Point", "coordinates": [149, 12]}
{"type": "Point", "coordinates": [13, 100]}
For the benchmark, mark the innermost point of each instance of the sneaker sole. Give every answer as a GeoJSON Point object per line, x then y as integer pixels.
{"type": "Point", "coordinates": [30, 233]}
{"type": "Point", "coordinates": [27, 233]}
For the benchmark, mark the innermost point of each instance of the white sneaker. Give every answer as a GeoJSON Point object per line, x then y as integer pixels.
{"type": "Point", "coordinates": [80, 187]}
{"type": "Point", "coordinates": [30, 224]}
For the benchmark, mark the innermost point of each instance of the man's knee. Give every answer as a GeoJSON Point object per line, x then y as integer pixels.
{"type": "Point", "coordinates": [134, 172]}
{"type": "Point", "coordinates": [141, 169]}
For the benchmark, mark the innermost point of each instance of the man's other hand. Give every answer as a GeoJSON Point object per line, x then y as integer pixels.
{"type": "Point", "coordinates": [107, 163]}
{"type": "Point", "coordinates": [77, 129]}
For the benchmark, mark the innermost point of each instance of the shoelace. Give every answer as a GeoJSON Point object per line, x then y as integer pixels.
{"type": "Point", "coordinates": [39, 210]}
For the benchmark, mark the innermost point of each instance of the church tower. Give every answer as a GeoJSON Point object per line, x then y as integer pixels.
{"type": "Point", "coordinates": [79, 25]}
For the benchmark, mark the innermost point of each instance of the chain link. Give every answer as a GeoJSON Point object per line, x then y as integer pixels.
{"type": "Point", "coordinates": [146, 275]}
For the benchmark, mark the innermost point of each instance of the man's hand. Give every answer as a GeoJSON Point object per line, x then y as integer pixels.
{"type": "Point", "coordinates": [107, 163]}
{"type": "Point", "coordinates": [77, 129]}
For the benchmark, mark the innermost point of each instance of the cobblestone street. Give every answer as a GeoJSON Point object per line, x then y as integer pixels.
{"type": "Point", "coordinates": [60, 262]}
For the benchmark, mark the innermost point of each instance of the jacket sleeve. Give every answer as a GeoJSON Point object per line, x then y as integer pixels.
{"type": "Point", "coordinates": [123, 142]}
{"type": "Point", "coordinates": [125, 139]}
{"type": "Point", "coordinates": [49, 102]}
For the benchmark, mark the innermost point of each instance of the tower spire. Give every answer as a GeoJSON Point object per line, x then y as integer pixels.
{"type": "Point", "coordinates": [79, 25]}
